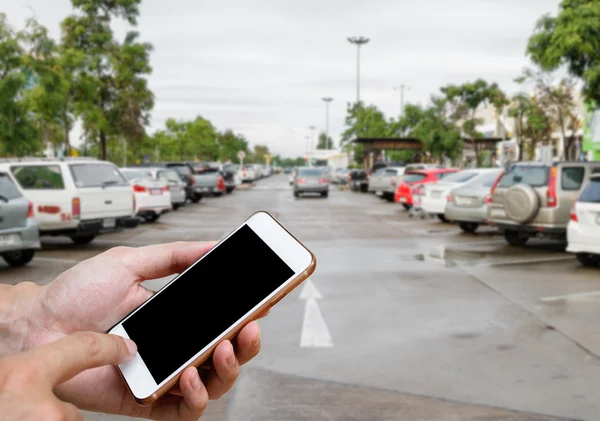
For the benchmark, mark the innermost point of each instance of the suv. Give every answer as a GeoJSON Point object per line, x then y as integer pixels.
{"type": "Point", "coordinates": [583, 231]}
{"type": "Point", "coordinates": [79, 198]}
{"type": "Point", "coordinates": [532, 199]}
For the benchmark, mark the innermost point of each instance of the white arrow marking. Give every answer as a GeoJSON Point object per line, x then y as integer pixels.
{"type": "Point", "coordinates": [315, 333]}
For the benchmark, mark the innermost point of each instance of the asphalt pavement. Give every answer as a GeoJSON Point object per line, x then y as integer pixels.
{"type": "Point", "coordinates": [404, 319]}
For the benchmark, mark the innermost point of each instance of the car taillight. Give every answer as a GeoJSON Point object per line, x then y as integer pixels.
{"type": "Point", "coordinates": [551, 201]}
{"type": "Point", "coordinates": [192, 180]}
{"type": "Point", "coordinates": [165, 189]}
{"type": "Point", "coordinates": [487, 199]}
{"type": "Point", "coordinates": [139, 189]}
{"type": "Point", "coordinates": [30, 210]}
{"type": "Point", "coordinates": [449, 198]}
{"type": "Point", "coordinates": [323, 181]}
{"type": "Point", "coordinates": [574, 213]}
{"type": "Point", "coordinates": [76, 207]}
{"type": "Point", "coordinates": [301, 181]}
{"type": "Point", "coordinates": [393, 182]}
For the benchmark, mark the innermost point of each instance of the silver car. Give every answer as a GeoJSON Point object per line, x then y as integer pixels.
{"type": "Point", "coordinates": [311, 180]}
{"type": "Point", "coordinates": [467, 204]}
{"type": "Point", "coordinates": [19, 232]}
{"type": "Point", "coordinates": [176, 185]}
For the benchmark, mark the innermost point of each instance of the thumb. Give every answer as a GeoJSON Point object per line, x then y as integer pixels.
{"type": "Point", "coordinates": [65, 358]}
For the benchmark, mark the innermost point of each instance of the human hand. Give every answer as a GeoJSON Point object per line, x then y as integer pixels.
{"type": "Point", "coordinates": [98, 293]}
{"type": "Point", "coordinates": [27, 379]}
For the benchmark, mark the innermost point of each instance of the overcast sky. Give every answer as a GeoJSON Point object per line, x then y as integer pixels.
{"type": "Point", "coordinates": [261, 67]}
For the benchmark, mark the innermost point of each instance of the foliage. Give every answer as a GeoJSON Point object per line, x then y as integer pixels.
{"type": "Point", "coordinates": [571, 39]}
{"type": "Point", "coordinates": [259, 153]}
{"type": "Point", "coordinates": [363, 121]}
{"type": "Point", "coordinates": [289, 162]}
{"type": "Point", "coordinates": [231, 144]}
{"type": "Point", "coordinates": [324, 141]}
{"type": "Point", "coordinates": [519, 110]}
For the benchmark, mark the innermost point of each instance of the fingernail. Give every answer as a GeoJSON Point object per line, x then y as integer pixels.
{"type": "Point", "coordinates": [256, 341]}
{"type": "Point", "coordinates": [195, 381]}
{"type": "Point", "coordinates": [131, 347]}
{"type": "Point", "coordinates": [231, 357]}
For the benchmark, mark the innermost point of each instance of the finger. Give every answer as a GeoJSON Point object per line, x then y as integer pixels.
{"type": "Point", "coordinates": [225, 371]}
{"type": "Point", "coordinates": [70, 412]}
{"type": "Point", "coordinates": [248, 343]}
{"type": "Point", "coordinates": [70, 355]}
{"type": "Point", "coordinates": [190, 407]}
{"type": "Point", "coordinates": [159, 260]}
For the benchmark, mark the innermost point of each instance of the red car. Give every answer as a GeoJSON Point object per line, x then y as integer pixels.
{"type": "Point", "coordinates": [415, 178]}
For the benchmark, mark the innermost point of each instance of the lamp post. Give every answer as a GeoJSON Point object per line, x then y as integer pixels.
{"type": "Point", "coordinates": [327, 101]}
{"type": "Point", "coordinates": [312, 138]}
{"type": "Point", "coordinates": [359, 42]}
{"type": "Point", "coordinates": [401, 88]}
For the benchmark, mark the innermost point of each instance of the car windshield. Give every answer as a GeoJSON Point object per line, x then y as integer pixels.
{"type": "Point", "coordinates": [97, 175]}
{"type": "Point", "coordinates": [39, 177]}
{"type": "Point", "coordinates": [414, 177]}
{"type": "Point", "coordinates": [181, 169]}
{"type": "Point", "coordinates": [484, 180]}
{"type": "Point", "coordinates": [460, 177]}
{"type": "Point", "coordinates": [136, 174]}
{"type": "Point", "coordinates": [310, 172]}
{"type": "Point", "coordinates": [591, 192]}
{"type": "Point", "coordinates": [169, 175]}
{"type": "Point", "coordinates": [533, 175]}
{"type": "Point", "coordinates": [8, 190]}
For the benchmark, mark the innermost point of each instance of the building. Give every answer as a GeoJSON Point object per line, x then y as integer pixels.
{"type": "Point", "coordinates": [328, 158]}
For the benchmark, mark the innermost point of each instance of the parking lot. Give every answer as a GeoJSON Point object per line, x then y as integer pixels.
{"type": "Point", "coordinates": [404, 318]}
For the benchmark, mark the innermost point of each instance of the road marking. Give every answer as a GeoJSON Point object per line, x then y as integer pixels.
{"type": "Point", "coordinates": [315, 333]}
{"type": "Point", "coordinates": [534, 260]}
{"type": "Point", "coordinates": [580, 296]}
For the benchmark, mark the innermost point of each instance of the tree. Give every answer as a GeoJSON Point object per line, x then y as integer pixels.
{"type": "Point", "coordinates": [230, 144]}
{"type": "Point", "coordinates": [324, 141]}
{"type": "Point", "coordinates": [519, 110]}
{"type": "Point", "coordinates": [466, 100]}
{"type": "Point", "coordinates": [259, 153]}
{"type": "Point", "coordinates": [556, 98]}
{"type": "Point", "coordinates": [18, 134]}
{"type": "Point", "coordinates": [538, 127]}
{"type": "Point", "coordinates": [363, 121]}
{"type": "Point", "coordinates": [571, 39]}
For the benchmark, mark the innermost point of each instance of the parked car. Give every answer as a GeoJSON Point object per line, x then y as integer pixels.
{"type": "Point", "coordinates": [287, 170]}
{"type": "Point", "coordinates": [231, 175]}
{"type": "Point", "coordinates": [152, 197]}
{"type": "Point", "coordinates": [186, 173]}
{"type": "Point", "coordinates": [583, 231]}
{"type": "Point", "coordinates": [176, 185]}
{"type": "Point", "coordinates": [415, 178]}
{"type": "Point", "coordinates": [249, 174]}
{"type": "Point", "coordinates": [533, 199]}
{"type": "Point", "coordinates": [19, 231]}
{"type": "Point", "coordinates": [358, 180]}
{"type": "Point", "coordinates": [209, 180]}
{"type": "Point", "coordinates": [384, 182]}
{"type": "Point", "coordinates": [311, 180]}
{"type": "Point", "coordinates": [435, 194]}
{"type": "Point", "coordinates": [75, 197]}
{"type": "Point", "coordinates": [467, 204]}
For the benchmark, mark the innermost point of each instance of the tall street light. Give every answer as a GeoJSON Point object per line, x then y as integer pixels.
{"type": "Point", "coordinates": [327, 100]}
{"type": "Point", "coordinates": [312, 139]}
{"type": "Point", "coordinates": [401, 88]}
{"type": "Point", "coordinates": [358, 41]}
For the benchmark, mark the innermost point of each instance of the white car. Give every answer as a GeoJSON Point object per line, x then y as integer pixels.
{"type": "Point", "coordinates": [435, 194]}
{"type": "Point", "coordinates": [152, 197]}
{"type": "Point", "coordinates": [248, 173]}
{"type": "Point", "coordinates": [75, 197]}
{"type": "Point", "coordinates": [173, 180]}
{"type": "Point", "coordinates": [583, 231]}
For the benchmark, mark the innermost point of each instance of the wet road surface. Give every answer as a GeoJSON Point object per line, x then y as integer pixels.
{"type": "Point", "coordinates": [404, 319]}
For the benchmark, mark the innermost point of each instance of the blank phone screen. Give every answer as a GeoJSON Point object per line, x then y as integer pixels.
{"type": "Point", "coordinates": [205, 301]}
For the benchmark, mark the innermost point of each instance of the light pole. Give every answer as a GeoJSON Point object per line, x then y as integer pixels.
{"type": "Point", "coordinates": [312, 138]}
{"type": "Point", "coordinates": [307, 146]}
{"type": "Point", "coordinates": [401, 88]}
{"type": "Point", "coordinates": [327, 101]}
{"type": "Point", "coordinates": [358, 41]}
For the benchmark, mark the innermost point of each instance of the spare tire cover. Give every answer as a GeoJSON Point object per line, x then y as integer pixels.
{"type": "Point", "coordinates": [521, 203]}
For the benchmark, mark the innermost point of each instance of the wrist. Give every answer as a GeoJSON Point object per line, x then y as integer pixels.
{"type": "Point", "coordinates": [19, 314]}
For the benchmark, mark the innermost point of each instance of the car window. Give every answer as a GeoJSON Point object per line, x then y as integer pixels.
{"type": "Point", "coordinates": [181, 169]}
{"type": "Point", "coordinates": [591, 192]}
{"type": "Point", "coordinates": [97, 175]}
{"type": "Point", "coordinates": [571, 178]}
{"type": "Point", "coordinates": [310, 172]}
{"type": "Point", "coordinates": [391, 172]}
{"type": "Point", "coordinates": [445, 175]}
{"type": "Point", "coordinates": [414, 177]}
{"type": "Point", "coordinates": [458, 177]}
{"type": "Point", "coordinates": [380, 171]}
{"type": "Point", "coordinates": [535, 176]}
{"type": "Point", "coordinates": [8, 190]}
{"type": "Point", "coordinates": [137, 174]}
{"type": "Point", "coordinates": [484, 180]}
{"type": "Point", "coordinates": [39, 177]}
{"type": "Point", "coordinates": [168, 176]}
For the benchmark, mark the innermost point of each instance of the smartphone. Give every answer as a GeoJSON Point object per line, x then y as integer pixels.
{"type": "Point", "coordinates": [211, 301]}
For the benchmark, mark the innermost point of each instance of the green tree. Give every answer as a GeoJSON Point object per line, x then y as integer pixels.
{"type": "Point", "coordinates": [519, 110]}
{"type": "Point", "coordinates": [538, 127]}
{"type": "Point", "coordinates": [466, 100]}
{"type": "Point", "coordinates": [363, 122]}
{"type": "Point", "coordinates": [230, 144]}
{"type": "Point", "coordinates": [258, 155]}
{"type": "Point", "coordinates": [571, 39]}
{"type": "Point", "coordinates": [324, 141]}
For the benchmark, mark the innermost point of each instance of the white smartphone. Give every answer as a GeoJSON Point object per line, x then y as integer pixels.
{"type": "Point", "coordinates": [181, 325]}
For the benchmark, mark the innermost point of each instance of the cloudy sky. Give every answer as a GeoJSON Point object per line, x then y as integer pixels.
{"type": "Point", "coordinates": [261, 67]}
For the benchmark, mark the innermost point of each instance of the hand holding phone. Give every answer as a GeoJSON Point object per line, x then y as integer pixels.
{"type": "Point", "coordinates": [238, 280]}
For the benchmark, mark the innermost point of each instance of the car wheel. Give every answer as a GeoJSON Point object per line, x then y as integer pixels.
{"type": "Point", "coordinates": [442, 217]}
{"type": "Point", "coordinates": [151, 218]}
{"type": "Point", "coordinates": [217, 194]}
{"type": "Point", "coordinates": [18, 257]}
{"type": "Point", "coordinates": [515, 239]}
{"type": "Point", "coordinates": [587, 259]}
{"type": "Point", "coordinates": [296, 194]}
{"type": "Point", "coordinates": [83, 239]}
{"type": "Point", "coordinates": [230, 190]}
{"type": "Point", "coordinates": [469, 227]}
{"type": "Point", "coordinates": [196, 198]}
{"type": "Point", "coordinates": [405, 206]}
{"type": "Point", "coordinates": [176, 206]}
{"type": "Point", "coordinates": [325, 194]}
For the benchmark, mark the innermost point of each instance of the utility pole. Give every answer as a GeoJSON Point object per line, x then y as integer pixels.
{"type": "Point", "coordinates": [401, 88]}
{"type": "Point", "coordinates": [312, 138]}
{"type": "Point", "coordinates": [359, 42]}
{"type": "Point", "coordinates": [327, 101]}
{"type": "Point", "coordinates": [307, 147]}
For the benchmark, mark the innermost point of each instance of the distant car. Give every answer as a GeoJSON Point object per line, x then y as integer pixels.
{"type": "Point", "coordinates": [583, 231]}
{"type": "Point", "coordinates": [152, 197]}
{"type": "Point", "coordinates": [192, 190]}
{"type": "Point", "coordinates": [311, 180]}
{"type": "Point", "coordinates": [533, 199]}
{"type": "Point", "coordinates": [415, 178]}
{"type": "Point", "coordinates": [292, 176]}
{"type": "Point", "coordinates": [232, 176]}
{"type": "Point", "coordinates": [435, 194]}
{"type": "Point", "coordinates": [358, 180]}
{"type": "Point", "coordinates": [467, 204]}
{"type": "Point", "coordinates": [19, 232]}
{"type": "Point", "coordinates": [385, 180]}
{"type": "Point", "coordinates": [287, 170]}
{"type": "Point", "coordinates": [249, 173]}
{"type": "Point", "coordinates": [75, 197]}
{"type": "Point", "coordinates": [176, 185]}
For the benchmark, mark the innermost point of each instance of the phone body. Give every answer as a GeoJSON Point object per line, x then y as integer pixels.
{"type": "Point", "coordinates": [234, 283]}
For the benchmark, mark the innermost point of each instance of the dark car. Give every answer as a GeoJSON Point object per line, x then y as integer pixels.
{"type": "Point", "coordinates": [358, 180]}
{"type": "Point", "coordinates": [186, 173]}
